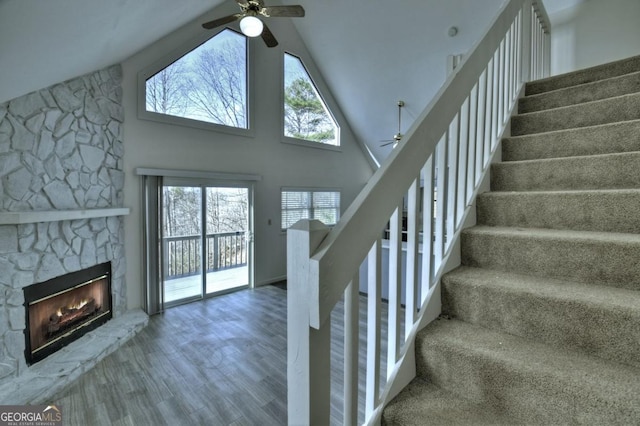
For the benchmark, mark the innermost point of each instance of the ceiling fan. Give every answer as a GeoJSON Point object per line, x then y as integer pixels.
{"type": "Point", "coordinates": [250, 23]}
{"type": "Point", "coordinates": [398, 136]}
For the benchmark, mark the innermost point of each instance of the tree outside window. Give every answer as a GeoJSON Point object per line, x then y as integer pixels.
{"type": "Point", "coordinates": [207, 84]}
{"type": "Point", "coordinates": [305, 114]}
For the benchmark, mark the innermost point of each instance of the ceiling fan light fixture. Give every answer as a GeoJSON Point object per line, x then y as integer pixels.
{"type": "Point", "coordinates": [251, 26]}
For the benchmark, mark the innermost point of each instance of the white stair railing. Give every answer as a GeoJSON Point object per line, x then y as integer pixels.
{"type": "Point", "coordinates": [431, 178]}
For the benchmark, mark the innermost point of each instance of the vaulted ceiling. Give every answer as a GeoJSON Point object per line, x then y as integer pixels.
{"type": "Point", "coordinates": [371, 54]}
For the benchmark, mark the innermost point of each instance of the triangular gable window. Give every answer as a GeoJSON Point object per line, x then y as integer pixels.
{"type": "Point", "coordinates": [207, 84]}
{"type": "Point", "coordinates": [306, 115]}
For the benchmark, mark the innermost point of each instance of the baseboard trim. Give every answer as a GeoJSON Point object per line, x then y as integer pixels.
{"type": "Point", "coordinates": [271, 281]}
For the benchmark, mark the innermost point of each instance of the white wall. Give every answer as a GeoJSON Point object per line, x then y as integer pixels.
{"type": "Point", "coordinates": [594, 32]}
{"type": "Point", "coordinates": [158, 145]}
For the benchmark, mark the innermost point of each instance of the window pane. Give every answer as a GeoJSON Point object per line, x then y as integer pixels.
{"type": "Point", "coordinates": [305, 114]}
{"type": "Point", "coordinates": [207, 84]}
{"type": "Point", "coordinates": [321, 205]}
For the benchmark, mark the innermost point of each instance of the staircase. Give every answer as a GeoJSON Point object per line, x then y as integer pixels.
{"type": "Point", "coordinates": [541, 323]}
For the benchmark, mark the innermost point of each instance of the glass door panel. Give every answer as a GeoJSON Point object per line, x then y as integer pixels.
{"type": "Point", "coordinates": [182, 243]}
{"type": "Point", "coordinates": [227, 238]}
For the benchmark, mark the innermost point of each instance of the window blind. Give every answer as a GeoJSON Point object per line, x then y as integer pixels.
{"type": "Point", "coordinates": [304, 204]}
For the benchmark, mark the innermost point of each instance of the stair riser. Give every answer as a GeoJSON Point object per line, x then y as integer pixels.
{"type": "Point", "coordinates": [608, 332]}
{"type": "Point", "coordinates": [615, 211]}
{"type": "Point", "coordinates": [580, 94]}
{"type": "Point", "coordinates": [606, 139]}
{"type": "Point", "coordinates": [589, 261]}
{"type": "Point", "coordinates": [612, 110]}
{"type": "Point", "coordinates": [601, 72]}
{"type": "Point", "coordinates": [525, 394]}
{"type": "Point", "coordinates": [596, 172]}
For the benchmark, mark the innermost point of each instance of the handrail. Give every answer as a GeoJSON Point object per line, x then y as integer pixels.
{"type": "Point", "coordinates": [447, 151]}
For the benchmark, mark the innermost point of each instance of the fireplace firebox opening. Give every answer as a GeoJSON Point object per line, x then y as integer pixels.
{"type": "Point", "coordinates": [63, 309]}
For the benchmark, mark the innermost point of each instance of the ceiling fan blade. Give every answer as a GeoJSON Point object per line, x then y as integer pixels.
{"type": "Point", "coordinates": [268, 37]}
{"type": "Point", "coordinates": [242, 2]}
{"type": "Point", "coordinates": [389, 143]}
{"type": "Point", "coordinates": [221, 21]}
{"type": "Point", "coordinates": [283, 11]}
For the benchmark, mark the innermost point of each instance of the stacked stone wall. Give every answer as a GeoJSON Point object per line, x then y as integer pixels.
{"type": "Point", "coordinates": [61, 148]}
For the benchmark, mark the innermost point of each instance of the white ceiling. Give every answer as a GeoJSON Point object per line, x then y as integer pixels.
{"type": "Point", "coordinates": [371, 54]}
{"type": "Point", "coordinates": [43, 42]}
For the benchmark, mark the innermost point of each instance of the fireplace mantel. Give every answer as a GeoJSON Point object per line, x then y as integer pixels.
{"type": "Point", "coordinates": [21, 218]}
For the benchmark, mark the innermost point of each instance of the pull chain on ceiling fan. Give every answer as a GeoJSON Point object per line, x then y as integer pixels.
{"type": "Point", "coordinates": [398, 136]}
{"type": "Point", "coordinates": [250, 23]}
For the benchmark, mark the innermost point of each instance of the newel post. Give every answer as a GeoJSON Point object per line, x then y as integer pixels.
{"type": "Point", "coordinates": [308, 349]}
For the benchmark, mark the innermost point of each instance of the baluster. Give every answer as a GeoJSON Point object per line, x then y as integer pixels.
{"type": "Point", "coordinates": [440, 200]}
{"type": "Point", "coordinates": [507, 78]}
{"type": "Point", "coordinates": [351, 339]}
{"type": "Point", "coordinates": [471, 158]}
{"type": "Point", "coordinates": [373, 328]}
{"type": "Point", "coordinates": [463, 136]}
{"type": "Point", "coordinates": [411, 285]}
{"type": "Point", "coordinates": [519, 52]}
{"type": "Point", "coordinates": [453, 150]}
{"type": "Point", "coordinates": [514, 57]}
{"type": "Point", "coordinates": [488, 116]}
{"type": "Point", "coordinates": [541, 49]}
{"type": "Point", "coordinates": [216, 252]}
{"type": "Point", "coordinates": [499, 88]}
{"type": "Point", "coordinates": [395, 293]}
{"type": "Point", "coordinates": [182, 257]}
{"type": "Point", "coordinates": [495, 103]}
{"type": "Point", "coordinates": [445, 192]}
{"type": "Point", "coordinates": [168, 269]}
{"type": "Point", "coordinates": [534, 48]}
{"type": "Point", "coordinates": [427, 228]}
{"type": "Point", "coordinates": [481, 124]}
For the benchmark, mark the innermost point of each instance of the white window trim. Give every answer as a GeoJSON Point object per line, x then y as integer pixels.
{"type": "Point", "coordinates": [173, 56]}
{"type": "Point", "coordinates": [309, 189]}
{"type": "Point", "coordinates": [326, 100]}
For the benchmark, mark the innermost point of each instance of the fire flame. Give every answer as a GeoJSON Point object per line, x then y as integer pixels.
{"type": "Point", "coordinates": [73, 306]}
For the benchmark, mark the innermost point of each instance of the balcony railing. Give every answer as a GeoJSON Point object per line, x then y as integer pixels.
{"type": "Point", "coordinates": [184, 253]}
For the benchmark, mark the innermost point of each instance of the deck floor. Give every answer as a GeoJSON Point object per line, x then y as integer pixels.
{"type": "Point", "coordinates": [219, 361]}
{"type": "Point", "coordinates": [222, 280]}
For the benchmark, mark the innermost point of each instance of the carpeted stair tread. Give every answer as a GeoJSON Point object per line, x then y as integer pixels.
{"type": "Point", "coordinates": [422, 401]}
{"type": "Point", "coordinates": [604, 171]}
{"type": "Point", "coordinates": [592, 257]}
{"type": "Point", "coordinates": [597, 90]}
{"type": "Point", "coordinates": [583, 76]}
{"type": "Point", "coordinates": [598, 320]}
{"type": "Point", "coordinates": [611, 110]}
{"type": "Point", "coordinates": [609, 138]}
{"type": "Point", "coordinates": [541, 322]}
{"type": "Point", "coordinates": [530, 381]}
{"type": "Point", "coordinates": [609, 210]}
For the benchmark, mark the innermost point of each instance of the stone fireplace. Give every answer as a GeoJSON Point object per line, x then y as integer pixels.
{"type": "Point", "coordinates": [61, 208]}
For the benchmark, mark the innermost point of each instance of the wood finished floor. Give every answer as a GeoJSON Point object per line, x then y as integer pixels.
{"type": "Point", "coordinates": [221, 361]}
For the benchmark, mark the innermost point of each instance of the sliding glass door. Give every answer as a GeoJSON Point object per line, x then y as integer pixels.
{"type": "Point", "coordinates": [207, 239]}
{"type": "Point", "coordinates": [227, 239]}
{"type": "Point", "coordinates": [182, 243]}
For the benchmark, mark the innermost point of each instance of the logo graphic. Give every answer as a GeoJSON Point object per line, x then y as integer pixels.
{"type": "Point", "coordinates": [30, 415]}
